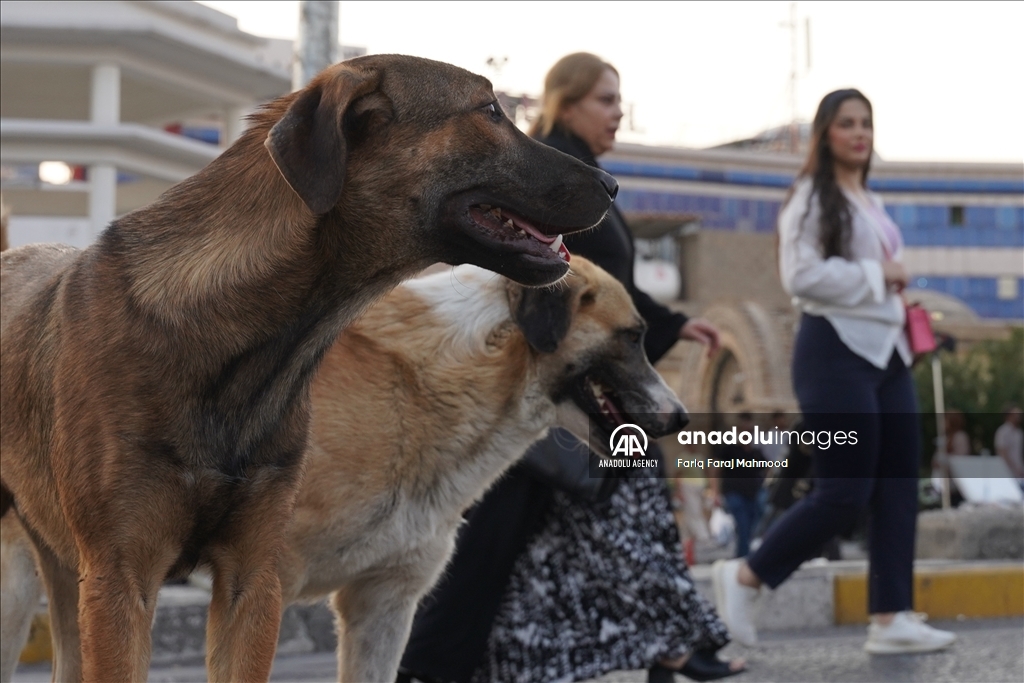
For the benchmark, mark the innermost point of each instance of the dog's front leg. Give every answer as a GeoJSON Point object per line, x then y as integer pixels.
{"type": "Point", "coordinates": [242, 631]}
{"type": "Point", "coordinates": [374, 617]}
{"type": "Point", "coordinates": [127, 547]}
{"type": "Point", "coordinates": [20, 590]}
{"type": "Point", "coordinates": [245, 610]}
{"type": "Point", "coordinates": [117, 600]}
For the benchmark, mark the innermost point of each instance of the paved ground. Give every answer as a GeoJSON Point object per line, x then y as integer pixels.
{"type": "Point", "coordinates": [988, 651]}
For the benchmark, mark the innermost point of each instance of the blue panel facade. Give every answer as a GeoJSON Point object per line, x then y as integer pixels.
{"type": "Point", "coordinates": [983, 226]}
{"type": "Point", "coordinates": [980, 293]}
{"type": "Point", "coordinates": [922, 225]}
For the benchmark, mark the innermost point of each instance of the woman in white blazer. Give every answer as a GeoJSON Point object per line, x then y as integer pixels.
{"type": "Point", "coordinates": [840, 260]}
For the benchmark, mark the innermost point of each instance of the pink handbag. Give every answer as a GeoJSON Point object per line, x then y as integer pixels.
{"type": "Point", "coordinates": [919, 322]}
{"type": "Point", "coordinates": [919, 329]}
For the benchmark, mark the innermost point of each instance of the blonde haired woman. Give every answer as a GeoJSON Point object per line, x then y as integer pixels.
{"type": "Point", "coordinates": [596, 585]}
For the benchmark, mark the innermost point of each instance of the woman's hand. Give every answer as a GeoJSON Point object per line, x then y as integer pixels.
{"type": "Point", "coordinates": [895, 274]}
{"type": "Point", "coordinates": [700, 330]}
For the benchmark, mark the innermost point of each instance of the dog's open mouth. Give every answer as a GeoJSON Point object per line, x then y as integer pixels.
{"type": "Point", "coordinates": [506, 227]}
{"type": "Point", "coordinates": [601, 403]}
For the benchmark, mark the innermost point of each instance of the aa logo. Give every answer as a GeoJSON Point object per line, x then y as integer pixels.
{"type": "Point", "coordinates": [626, 441]}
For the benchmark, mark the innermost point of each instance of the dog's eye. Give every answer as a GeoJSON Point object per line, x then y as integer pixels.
{"type": "Point", "coordinates": [494, 111]}
{"type": "Point", "coordinates": [634, 336]}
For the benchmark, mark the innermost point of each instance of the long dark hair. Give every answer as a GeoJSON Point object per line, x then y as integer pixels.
{"type": "Point", "coordinates": [820, 168]}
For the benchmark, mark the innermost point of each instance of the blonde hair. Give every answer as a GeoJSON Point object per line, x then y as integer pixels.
{"type": "Point", "coordinates": [568, 82]}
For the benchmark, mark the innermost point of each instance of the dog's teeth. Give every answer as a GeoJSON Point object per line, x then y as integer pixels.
{"type": "Point", "coordinates": [509, 223]}
{"type": "Point", "coordinates": [556, 244]}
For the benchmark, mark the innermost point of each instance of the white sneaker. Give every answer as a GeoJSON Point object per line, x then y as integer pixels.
{"type": "Point", "coordinates": [735, 602]}
{"type": "Point", "coordinates": [906, 633]}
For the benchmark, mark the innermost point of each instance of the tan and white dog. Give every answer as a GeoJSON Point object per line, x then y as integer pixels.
{"type": "Point", "coordinates": [417, 409]}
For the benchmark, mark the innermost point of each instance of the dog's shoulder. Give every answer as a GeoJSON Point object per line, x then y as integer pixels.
{"type": "Point", "coordinates": [26, 271]}
{"type": "Point", "coordinates": [43, 257]}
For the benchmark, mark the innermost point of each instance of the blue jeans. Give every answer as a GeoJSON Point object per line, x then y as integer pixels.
{"type": "Point", "coordinates": [747, 513]}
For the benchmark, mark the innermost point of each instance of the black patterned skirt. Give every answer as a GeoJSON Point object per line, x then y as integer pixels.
{"type": "Point", "coordinates": [601, 588]}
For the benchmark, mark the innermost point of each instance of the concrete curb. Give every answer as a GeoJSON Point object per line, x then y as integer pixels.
{"type": "Point", "coordinates": [179, 629]}
{"type": "Point", "coordinates": [944, 591]}
{"type": "Point", "coordinates": [820, 594]}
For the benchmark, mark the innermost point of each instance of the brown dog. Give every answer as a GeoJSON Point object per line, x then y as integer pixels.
{"type": "Point", "coordinates": [417, 409]}
{"type": "Point", "coordinates": [155, 386]}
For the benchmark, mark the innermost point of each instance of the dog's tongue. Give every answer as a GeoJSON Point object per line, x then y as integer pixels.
{"type": "Point", "coordinates": [554, 243]}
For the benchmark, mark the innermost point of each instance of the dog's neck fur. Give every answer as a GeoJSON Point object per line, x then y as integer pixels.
{"type": "Point", "coordinates": [469, 408]}
{"type": "Point", "coordinates": [240, 233]}
{"type": "Point", "coordinates": [232, 262]}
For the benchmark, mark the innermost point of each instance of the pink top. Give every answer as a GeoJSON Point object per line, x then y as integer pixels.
{"type": "Point", "coordinates": [889, 233]}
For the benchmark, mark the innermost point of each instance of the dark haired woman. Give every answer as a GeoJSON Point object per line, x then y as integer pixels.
{"type": "Point", "coordinates": [546, 586]}
{"type": "Point", "coordinates": [839, 258]}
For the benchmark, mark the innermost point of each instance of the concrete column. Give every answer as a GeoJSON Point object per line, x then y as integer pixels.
{"type": "Point", "coordinates": [105, 103]}
{"type": "Point", "coordinates": [102, 196]}
{"type": "Point", "coordinates": [317, 45]}
{"type": "Point", "coordinates": [234, 124]}
{"type": "Point", "coordinates": [105, 109]}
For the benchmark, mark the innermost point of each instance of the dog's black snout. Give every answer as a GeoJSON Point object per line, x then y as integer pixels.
{"type": "Point", "coordinates": [609, 183]}
{"type": "Point", "coordinates": [682, 418]}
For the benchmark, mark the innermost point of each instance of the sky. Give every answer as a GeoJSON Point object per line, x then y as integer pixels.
{"type": "Point", "coordinates": [946, 79]}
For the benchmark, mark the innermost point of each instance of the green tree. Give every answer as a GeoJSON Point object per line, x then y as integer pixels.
{"type": "Point", "coordinates": [980, 381]}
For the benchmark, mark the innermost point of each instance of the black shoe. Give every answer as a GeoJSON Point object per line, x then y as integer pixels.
{"type": "Point", "coordinates": [660, 674]}
{"type": "Point", "coordinates": [704, 665]}
{"type": "Point", "coordinates": [409, 677]}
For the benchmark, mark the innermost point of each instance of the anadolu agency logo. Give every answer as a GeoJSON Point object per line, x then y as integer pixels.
{"type": "Point", "coordinates": [628, 446]}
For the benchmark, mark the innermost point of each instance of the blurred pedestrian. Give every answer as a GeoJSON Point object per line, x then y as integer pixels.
{"type": "Point", "coordinates": [545, 585]}
{"type": "Point", "coordinates": [690, 501]}
{"type": "Point", "coordinates": [739, 487]}
{"type": "Point", "coordinates": [776, 450]}
{"type": "Point", "coordinates": [840, 259]}
{"type": "Point", "coordinates": [1009, 441]}
{"type": "Point", "coordinates": [958, 442]}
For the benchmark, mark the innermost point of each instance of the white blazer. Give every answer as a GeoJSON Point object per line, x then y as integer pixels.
{"type": "Point", "coordinates": [849, 293]}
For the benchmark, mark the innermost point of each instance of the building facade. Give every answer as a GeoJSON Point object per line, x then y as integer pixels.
{"type": "Point", "coordinates": [104, 105]}
{"type": "Point", "coordinates": [963, 225]}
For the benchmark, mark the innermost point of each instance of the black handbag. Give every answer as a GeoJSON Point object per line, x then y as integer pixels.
{"type": "Point", "coordinates": [563, 462]}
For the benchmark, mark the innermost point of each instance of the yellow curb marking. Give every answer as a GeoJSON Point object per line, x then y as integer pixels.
{"type": "Point", "coordinates": [38, 648]}
{"type": "Point", "coordinates": [943, 594]}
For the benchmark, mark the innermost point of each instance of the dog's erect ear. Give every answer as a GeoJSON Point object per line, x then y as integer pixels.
{"type": "Point", "coordinates": [544, 314]}
{"type": "Point", "coordinates": [310, 143]}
